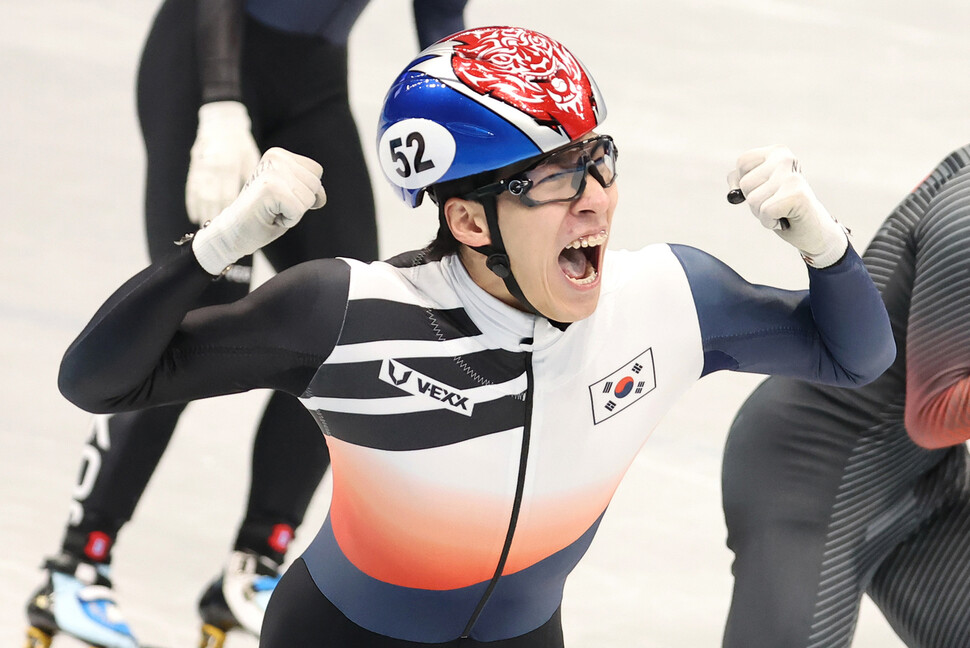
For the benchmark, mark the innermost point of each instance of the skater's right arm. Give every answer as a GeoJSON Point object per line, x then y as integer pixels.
{"type": "Point", "coordinates": [144, 347]}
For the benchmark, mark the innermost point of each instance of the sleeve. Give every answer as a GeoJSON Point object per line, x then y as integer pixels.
{"type": "Point", "coordinates": [435, 19]}
{"type": "Point", "coordinates": [837, 332]}
{"type": "Point", "coordinates": [218, 38]}
{"type": "Point", "coordinates": [145, 347]}
{"type": "Point", "coordinates": [938, 332]}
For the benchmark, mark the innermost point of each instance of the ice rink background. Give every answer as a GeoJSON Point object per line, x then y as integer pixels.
{"type": "Point", "coordinates": [869, 93]}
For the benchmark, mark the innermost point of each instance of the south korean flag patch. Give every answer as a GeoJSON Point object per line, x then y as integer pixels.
{"type": "Point", "coordinates": [623, 387]}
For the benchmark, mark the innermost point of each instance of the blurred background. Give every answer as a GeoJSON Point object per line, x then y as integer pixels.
{"type": "Point", "coordinates": [870, 94]}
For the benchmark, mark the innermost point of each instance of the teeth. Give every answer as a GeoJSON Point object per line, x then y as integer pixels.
{"type": "Point", "coordinates": [586, 280]}
{"type": "Point", "coordinates": [589, 241]}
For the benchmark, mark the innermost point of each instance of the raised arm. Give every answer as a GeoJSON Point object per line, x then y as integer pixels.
{"type": "Point", "coordinates": [837, 332]}
{"type": "Point", "coordinates": [144, 347]}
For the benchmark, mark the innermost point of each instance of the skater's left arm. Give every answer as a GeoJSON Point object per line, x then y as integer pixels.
{"type": "Point", "coordinates": [837, 332]}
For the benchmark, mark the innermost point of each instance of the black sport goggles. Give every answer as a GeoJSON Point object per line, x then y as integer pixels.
{"type": "Point", "coordinates": [560, 176]}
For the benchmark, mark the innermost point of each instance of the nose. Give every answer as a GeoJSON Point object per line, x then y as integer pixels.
{"type": "Point", "coordinates": [594, 197]}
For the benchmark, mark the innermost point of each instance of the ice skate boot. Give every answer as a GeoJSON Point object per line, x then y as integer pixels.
{"type": "Point", "coordinates": [77, 600]}
{"type": "Point", "coordinates": [238, 597]}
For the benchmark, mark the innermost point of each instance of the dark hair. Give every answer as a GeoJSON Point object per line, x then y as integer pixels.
{"type": "Point", "coordinates": [444, 242]}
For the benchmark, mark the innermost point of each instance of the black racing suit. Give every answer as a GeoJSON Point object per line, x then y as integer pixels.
{"type": "Point", "coordinates": [286, 60]}
{"type": "Point", "coordinates": [826, 494]}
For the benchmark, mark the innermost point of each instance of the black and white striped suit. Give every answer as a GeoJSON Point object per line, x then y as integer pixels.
{"type": "Point", "coordinates": [474, 446]}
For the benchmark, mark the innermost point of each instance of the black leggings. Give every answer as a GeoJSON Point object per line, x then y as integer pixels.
{"type": "Point", "coordinates": [823, 506]}
{"type": "Point", "coordinates": [295, 88]}
{"type": "Point", "coordinates": [299, 615]}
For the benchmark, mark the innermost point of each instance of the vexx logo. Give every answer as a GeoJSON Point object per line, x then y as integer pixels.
{"type": "Point", "coordinates": [418, 384]}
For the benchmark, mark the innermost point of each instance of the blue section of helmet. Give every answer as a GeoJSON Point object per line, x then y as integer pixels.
{"type": "Point", "coordinates": [484, 141]}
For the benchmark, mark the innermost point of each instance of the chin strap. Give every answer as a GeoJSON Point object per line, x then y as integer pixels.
{"type": "Point", "coordinates": [497, 260]}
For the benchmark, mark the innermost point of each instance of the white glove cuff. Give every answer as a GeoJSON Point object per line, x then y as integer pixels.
{"type": "Point", "coordinates": [212, 250]}
{"type": "Point", "coordinates": [219, 114]}
{"type": "Point", "coordinates": [835, 242]}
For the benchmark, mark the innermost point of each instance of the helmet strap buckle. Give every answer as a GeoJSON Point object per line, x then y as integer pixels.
{"type": "Point", "coordinates": [499, 264]}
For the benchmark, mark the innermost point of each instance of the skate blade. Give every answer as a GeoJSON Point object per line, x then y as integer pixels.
{"type": "Point", "coordinates": [212, 637]}
{"type": "Point", "coordinates": [37, 638]}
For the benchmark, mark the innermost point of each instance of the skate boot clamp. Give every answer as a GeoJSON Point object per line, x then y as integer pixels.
{"type": "Point", "coordinates": [238, 597]}
{"type": "Point", "coordinates": [77, 600]}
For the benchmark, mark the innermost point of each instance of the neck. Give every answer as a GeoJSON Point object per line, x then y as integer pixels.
{"type": "Point", "coordinates": [487, 280]}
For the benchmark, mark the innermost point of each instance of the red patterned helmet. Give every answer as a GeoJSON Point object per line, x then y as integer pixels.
{"type": "Point", "coordinates": [482, 100]}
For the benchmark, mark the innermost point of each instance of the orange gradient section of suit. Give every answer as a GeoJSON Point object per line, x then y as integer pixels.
{"type": "Point", "coordinates": [432, 519]}
{"type": "Point", "coordinates": [937, 394]}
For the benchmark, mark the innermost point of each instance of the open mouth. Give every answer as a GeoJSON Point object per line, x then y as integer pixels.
{"type": "Point", "coordinates": [579, 260]}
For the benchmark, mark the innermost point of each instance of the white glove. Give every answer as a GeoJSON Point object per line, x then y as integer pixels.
{"type": "Point", "coordinates": [222, 158]}
{"type": "Point", "coordinates": [283, 187]}
{"type": "Point", "coordinates": [773, 185]}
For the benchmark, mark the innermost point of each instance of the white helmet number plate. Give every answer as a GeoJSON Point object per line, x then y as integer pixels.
{"type": "Point", "coordinates": [415, 153]}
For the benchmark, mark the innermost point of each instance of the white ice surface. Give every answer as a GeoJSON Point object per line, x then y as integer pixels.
{"type": "Point", "coordinates": [869, 93]}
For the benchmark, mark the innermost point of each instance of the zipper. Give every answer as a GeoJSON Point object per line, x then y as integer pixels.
{"type": "Point", "coordinates": [516, 504]}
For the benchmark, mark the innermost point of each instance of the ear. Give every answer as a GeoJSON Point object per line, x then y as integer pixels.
{"type": "Point", "coordinates": [466, 219]}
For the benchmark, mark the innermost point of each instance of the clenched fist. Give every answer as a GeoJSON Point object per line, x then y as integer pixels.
{"type": "Point", "coordinates": [779, 196]}
{"type": "Point", "coordinates": [282, 188]}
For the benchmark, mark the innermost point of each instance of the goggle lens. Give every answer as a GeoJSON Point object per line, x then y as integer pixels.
{"type": "Point", "coordinates": [561, 177]}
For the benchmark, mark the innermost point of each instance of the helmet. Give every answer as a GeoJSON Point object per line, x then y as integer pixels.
{"type": "Point", "coordinates": [482, 100]}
